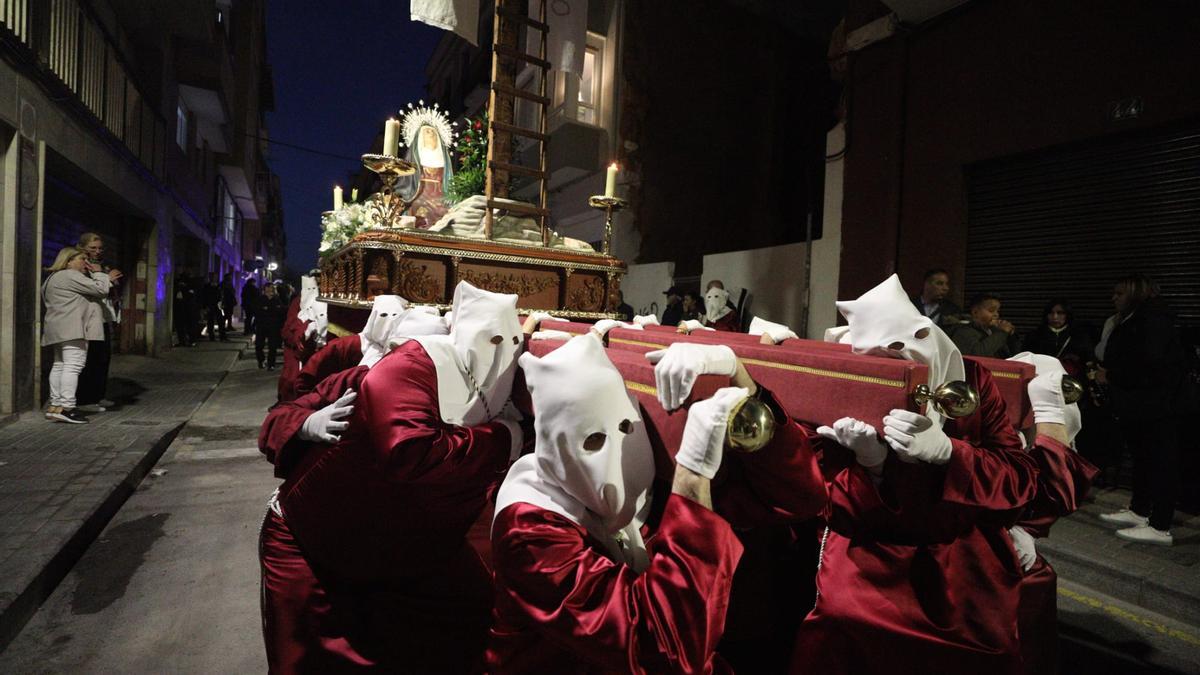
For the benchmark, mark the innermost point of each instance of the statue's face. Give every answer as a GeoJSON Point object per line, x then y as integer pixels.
{"type": "Point", "coordinates": [429, 138]}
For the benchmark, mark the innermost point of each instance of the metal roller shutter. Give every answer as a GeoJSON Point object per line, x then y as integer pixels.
{"type": "Point", "coordinates": [1067, 222]}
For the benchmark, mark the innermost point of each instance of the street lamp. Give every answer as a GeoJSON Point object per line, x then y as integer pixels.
{"type": "Point", "coordinates": [271, 267]}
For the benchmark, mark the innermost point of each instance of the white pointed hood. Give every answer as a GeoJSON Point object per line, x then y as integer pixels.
{"type": "Point", "coordinates": [884, 322]}
{"type": "Point", "coordinates": [308, 293]}
{"type": "Point", "coordinates": [318, 313]}
{"type": "Point", "coordinates": [386, 313]}
{"type": "Point", "coordinates": [592, 462]}
{"type": "Point", "coordinates": [715, 307]}
{"type": "Point", "coordinates": [1048, 364]}
{"type": "Point", "coordinates": [477, 360]}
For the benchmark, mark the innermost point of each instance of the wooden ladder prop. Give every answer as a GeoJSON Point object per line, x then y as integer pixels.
{"type": "Point", "coordinates": [507, 55]}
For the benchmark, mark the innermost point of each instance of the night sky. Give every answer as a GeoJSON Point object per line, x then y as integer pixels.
{"type": "Point", "coordinates": [340, 69]}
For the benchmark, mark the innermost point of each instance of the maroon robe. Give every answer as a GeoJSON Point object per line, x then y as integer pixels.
{"type": "Point", "coordinates": [730, 322]}
{"type": "Point", "coordinates": [563, 606]}
{"type": "Point", "coordinates": [338, 355]}
{"type": "Point", "coordinates": [757, 493]}
{"type": "Point", "coordinates": [918, 574]}
{"type": "Point", "coordinates": [1064, 478]}
{"type": "Point", "coordinates": [295, 349]}
{"type": "Point", "coordinates": [369, 565]}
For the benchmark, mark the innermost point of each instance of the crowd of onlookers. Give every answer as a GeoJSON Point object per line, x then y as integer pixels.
{"type": "Point", "coordinates": [209, 308]}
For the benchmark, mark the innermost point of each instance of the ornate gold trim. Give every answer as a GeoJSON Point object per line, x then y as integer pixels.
{"type": "Point", "coordinates": [821, 372]}
{"type": "Point", "coordinates": [641, 388]}
{"type": "Point", "coordinates": [637, 342]}
{"type": "Point", "coordinates": [475, 255]}
{"type": "Point", "coordinates": [474, 240]}
{"type": "Point", "coordinates": [1012, 376]}
{"type": "Point", "coordinates": [351, 303]}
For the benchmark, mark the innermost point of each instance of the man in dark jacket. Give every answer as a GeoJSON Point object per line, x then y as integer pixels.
{"type": "Point", "coordinates": [210, 296]}
{"type": "Point", "coordinates": [934, 301]}
{"type": "Point", "coordinates": [250, 297]}
{"type": "Point", "coordinates": [673, 314]}
{"type": "Point", "coordinates": [228, 301]}
{"type": "Point", "coordinates": [269, 319]}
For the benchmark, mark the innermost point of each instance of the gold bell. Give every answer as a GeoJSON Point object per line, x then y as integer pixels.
{"type": "Point", "coordinates": [751, 426]}
{"type": "Point", "coordinates": [1072, 389]}
{"type": "Point", "coordinates": [951, 399]}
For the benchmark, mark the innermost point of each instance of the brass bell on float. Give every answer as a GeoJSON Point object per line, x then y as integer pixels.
{"type": "Point", "coordinates": [951, 399]}
{"type": "Point", "coordinates": [751, 426]}
{"type": "Point", "coordinates": [1072, 389]}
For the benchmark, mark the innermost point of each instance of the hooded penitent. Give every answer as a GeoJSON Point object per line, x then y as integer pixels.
{"type": "Point", "coordinates": [477, 360]}
{"type": "Point", "coordinates": [1048, 364]}
{"type": "Point", "coordinates": [318, 313]}
{"type": "Point", "coordinates": [715, 307]}
{"type": "Point", "coordinates": [884, 322]}
{"type": "Point", "coordinates": [308, 292]}
{"type": "Point", "coordinates": [592, 462]}
{"type": "Point", "coordinates": [386, 313]}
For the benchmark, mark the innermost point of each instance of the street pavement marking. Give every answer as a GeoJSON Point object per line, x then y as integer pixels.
{"type": "Point", "coordinates": [1122, 613]}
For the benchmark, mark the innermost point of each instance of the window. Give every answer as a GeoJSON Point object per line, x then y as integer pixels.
{"type": "Point", "coordinates": [181, 128]}
{"type": "Point", "coordinates": [591, 81]}
{"type": "Point", "coordinates": [227, 213]}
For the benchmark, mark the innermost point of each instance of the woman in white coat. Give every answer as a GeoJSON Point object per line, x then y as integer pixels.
{"type": "Point", "coordinates": [70, 320]}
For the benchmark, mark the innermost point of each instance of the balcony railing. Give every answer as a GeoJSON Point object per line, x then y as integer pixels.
{"type": "Point", "coordinates": [70, 46]}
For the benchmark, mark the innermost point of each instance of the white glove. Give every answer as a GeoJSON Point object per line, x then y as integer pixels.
{"type": "Point", "coordinates": [704, 434]}
{"type": "Point", "coordinates": [1023, 543]}
{"type": "Point", "coordinates": [320, 427]}
{"type": "Point", "coordinates": [604, 325]}
{"type": "Point", "coordinates": [915, 438]}
{"type": "Point", "coordinates": [645, 320]}
{"type": "Point", "coordinates": [677, 367]}
{"type": "Point", "coordinates": [860, 438]}
{"type": "Point", "coordinates": [777, 331]}
{"type": "Point", "coordinates": [551, 335]}
{"type": "Point", "coordinates": [692, 324]}
{"type": "Point", "coordinates": [544, 316]}
{"type": "Point", "coordinates": [310, 329]}
{"type": "Point", "coordinates": [1045, 393]}
{"type": "Point", "coordinates": [511, 418]}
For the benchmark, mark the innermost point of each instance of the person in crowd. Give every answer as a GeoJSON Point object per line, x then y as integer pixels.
{"type": "Point", "coordinates": [719, 313]}
{"type": "Point", "coordinates": [570, 542]}
{"type": "Point", "coordinates": [250, 296]}
{"type": "Point", "coordinates": [917, 566]}
{"type": "Point", "coordinates": [986, 334]}
{"type": "Point", "coordinates": [210, 295]}
{"type": "Point", "coordinates": [269, 317]}
{"type": "Point", "coordinates": [182, 310]}
{"type": "Point", "coordinates": [228, 301]}
{"type": "Point", "coordinates": [624, 308]}
{"type": "Point", "coordinates": [934, 299]}
{"type": "Point", "coordinates": [1143, 369]}
{"type": "Point", "coordinates": [1064, 478]}
{"type": "Point", "coordinates": [673, 314]}
{"type": "Point", "coordinates": [364, 555]}
{"type": "Point", "coordinates": [390, 322]}
{"type": "Point", "coordinates": [693, 306]}
{"type": "Point", "coordinates": [71, 319]}
{"type": "Point", "coordinates": [93, 381]}
{"type": "Point", "coordinates": [297, 343]}
{"type": "Point", "coordinates": [1060, 337]}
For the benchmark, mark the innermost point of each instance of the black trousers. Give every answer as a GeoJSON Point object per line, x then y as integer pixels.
{"type": "Point", "coordinates": [215, 321]}
{"type": "Point", "coordinates": [271, 341]}
{"type": "Point", "coordinates": [247, 321]}
{"type": "Point", "coordinates": [1155, 446]}
{"type": "Point", "coordinates": [93, 379]}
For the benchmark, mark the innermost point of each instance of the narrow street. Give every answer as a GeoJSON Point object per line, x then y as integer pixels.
{"type": "Point", "coordinates": [171, 584]}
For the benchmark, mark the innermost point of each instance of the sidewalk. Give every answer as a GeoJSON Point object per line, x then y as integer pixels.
{"type": "Point", "coordinates": [1084, 549]}
{"type": "Point", "coordinates": [61, 483]}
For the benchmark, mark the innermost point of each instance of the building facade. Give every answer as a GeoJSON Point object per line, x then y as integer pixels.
{"type": "Point", "coordinates": [141, 122]}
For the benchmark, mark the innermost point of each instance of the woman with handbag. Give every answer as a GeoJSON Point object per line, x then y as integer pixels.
{"type": "Point", "coordinates": [72, 318]}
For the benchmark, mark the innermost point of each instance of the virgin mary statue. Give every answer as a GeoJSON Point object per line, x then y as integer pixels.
{"type": "Point", "coordinates": [428, 136]}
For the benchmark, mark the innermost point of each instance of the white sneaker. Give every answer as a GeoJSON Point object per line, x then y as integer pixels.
{"type": "Point", "coordinates": [1144, 534]}
{"type": "Point", "coordinates": [91, 408]}
{"type": "Point", "coordinates": [1125, 517]}
{"type": "Point", "coordinates": [107, 403]}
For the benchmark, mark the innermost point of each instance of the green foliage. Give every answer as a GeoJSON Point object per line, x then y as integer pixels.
{"type": "Point", "coordinates": [465, 183]}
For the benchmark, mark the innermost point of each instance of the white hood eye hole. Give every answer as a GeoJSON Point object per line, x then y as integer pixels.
{"type": "Point", "coordinates": [496, 339]}
{"type": "Point", "coordinates": [595, 441]}
{"type": "Point", "coordinates": [896, 346]}
{"type": "Point", "coordinates": [383, 315]}
{"type": "Point", "coordinates": [625, 426]}
{"type": "Point", "coordinates": [515, 340]}
{"type": "Point", "coordinates": [922, 334]}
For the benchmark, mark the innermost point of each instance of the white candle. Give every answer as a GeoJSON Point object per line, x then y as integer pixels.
{"type": "Point", "coordinates": [337, 197]}
{"type": "Point", "coordinates": [610, 183]}
{"type": "Point", "coordinates": [391, 137]}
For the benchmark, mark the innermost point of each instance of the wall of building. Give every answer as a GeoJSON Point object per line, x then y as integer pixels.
{"type": "Point", "coordinates": [996, 78]}
{"type": "Point", "coordinates": [773, 278]}
{"type": "Point", "coordinates": [643, 287]}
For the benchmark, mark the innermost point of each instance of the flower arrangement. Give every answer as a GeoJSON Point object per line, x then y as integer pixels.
{"type": "Point", "coordinates": [339, 227]}
{"type": "Point", "coordinates": [471, 151]}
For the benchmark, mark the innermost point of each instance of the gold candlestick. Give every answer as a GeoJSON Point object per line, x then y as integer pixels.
{"type": "Point", "coordinates": [386, 206]}
{"type": "Point", "coordinates": [610, 205]}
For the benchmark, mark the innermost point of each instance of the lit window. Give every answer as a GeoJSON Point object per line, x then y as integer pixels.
{"type": "Point", "coordinates": [590, 81]}
{"type": "Point", "coordinates": [181, 130]}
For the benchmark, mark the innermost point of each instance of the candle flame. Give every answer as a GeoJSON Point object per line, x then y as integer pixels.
{"type": "Point", "coordinates": [613, 165]}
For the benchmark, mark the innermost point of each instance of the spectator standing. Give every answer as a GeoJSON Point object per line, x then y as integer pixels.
{"type": "Point", "coordinates": [211, 296]}
{"type": "Point", "coordinates": [986, 334]}
{"type": "Point", "coordinates": [1144, 370]}
{"type": "Point", "coordinates": [250, 297]}
{"type": "Point", "coordinates": [91, 395]}
{"type": "Point", "coordinates": [185, 295]}
{"type": "Point", "coordinates": [673, 313]}
{"type": "Point", "coordinates": [624, 308]}
{"type": "Point", "coordinates": [70, 321]}
{"type": "Point", "coordinates": [268, 323]}
{"type": "Point", "coordinates": [1060, 337]}
{"type": "Point", "coordinates": [228, 302]}
{"type": "Point", "coordinates": [934, 301]}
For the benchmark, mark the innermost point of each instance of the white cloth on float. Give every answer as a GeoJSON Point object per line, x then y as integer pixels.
{"type": "Point", "coordinates": [777, 331]}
